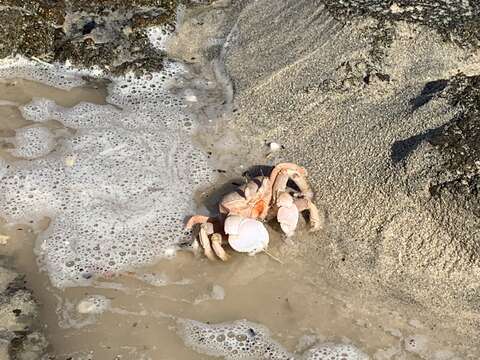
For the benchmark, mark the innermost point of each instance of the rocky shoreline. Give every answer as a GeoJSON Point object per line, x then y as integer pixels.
{"type": "Point", "coordinates": [21, 334]}
{"type": "Point", "coordinates": [108, 34]}
{"type": "Point", "coordinates": [379, 100]}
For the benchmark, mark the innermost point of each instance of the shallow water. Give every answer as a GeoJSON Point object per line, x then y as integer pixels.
{"type": "Point", "coordinates": [140, 322]}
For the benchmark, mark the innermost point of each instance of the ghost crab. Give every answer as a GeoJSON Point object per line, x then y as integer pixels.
{"type": "Point", "coordinates": [260, 199]}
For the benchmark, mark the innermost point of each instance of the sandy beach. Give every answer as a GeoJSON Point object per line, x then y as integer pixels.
{"type": "Point", "coordinates": [369, 107]}
{"type": "Point", "coordinates": [379, 101]}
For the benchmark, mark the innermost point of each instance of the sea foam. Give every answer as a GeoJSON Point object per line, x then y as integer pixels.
{"type": "Point", "coordinates": [242, 339]}
{"type": "Point", "coordinates": [118, 188]}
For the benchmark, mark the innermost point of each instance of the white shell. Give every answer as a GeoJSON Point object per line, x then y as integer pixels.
{"type": "Point", "coordinates": [251, 237]}
{"type": "Point", "coordinates": [232, 224]}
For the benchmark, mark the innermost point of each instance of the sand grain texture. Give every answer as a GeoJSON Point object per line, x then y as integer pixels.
{"type": "Point", "coordinates": [363, 104]}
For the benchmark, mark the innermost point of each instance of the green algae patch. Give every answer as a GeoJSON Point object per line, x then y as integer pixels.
{"type": "Point", "coordinates": [109, 34]}
{"type": "Point", "coordinates": [29, 32]}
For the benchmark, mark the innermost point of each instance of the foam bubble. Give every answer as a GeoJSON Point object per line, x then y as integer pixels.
{"type": "Point", "coordinates": [69, 317]}
{"type": "Point", "coordinates": [118, 188]}
{"type": "Point", "coordinates": [331, 351]}
{"type": "Point", "coordinates": [61, 76]}
{"type": "Point", "coordinates": [243, 339]}
{"type": "Point", "coordinates": [239, 339]}
{"type": "Point", "coordinates": [33, 142]}
{"type": "Point", "coordinates": [158, 36]}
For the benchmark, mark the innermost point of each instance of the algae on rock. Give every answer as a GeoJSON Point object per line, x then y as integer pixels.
{"type": "Point", "coordinates": [20, 338]}
{"type": "Point", "coordinates": [109, 34]}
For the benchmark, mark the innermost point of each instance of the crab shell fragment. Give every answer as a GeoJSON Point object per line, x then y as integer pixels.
{"type": "Point", "coordinates": [246, 234]}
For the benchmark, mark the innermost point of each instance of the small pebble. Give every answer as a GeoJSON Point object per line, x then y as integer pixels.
{"type": "Point", "coordinates": [415, 343]}
{"type": "Point", "coordinates": [274, 147]}
{"type": "Point", "coordinates": [4, 239]}
{"type": "Point", "coordinates": [94, 304]}
{"type": "Point", "coordinates": [191, 98]}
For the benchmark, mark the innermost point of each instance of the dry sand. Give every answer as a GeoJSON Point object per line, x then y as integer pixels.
{"type": "Point", "coordinates": [342, 97]}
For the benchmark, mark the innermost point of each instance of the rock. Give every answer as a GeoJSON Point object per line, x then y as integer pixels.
{"type": "Point", "coordinates": [6, 278]}
{"type": "Point", "coordinates": [20, 338]}
{"type": "Point", "coordinates": [31, 347]}
{"type": "Point", "coordinates": [454, 20]}
{"type": "Point", "coordinates": [108, 34]}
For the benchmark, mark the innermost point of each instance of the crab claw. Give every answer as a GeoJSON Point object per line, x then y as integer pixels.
{"type": "Point", "coordinates": [298, 175]}
{"type": "Point", "coordinates": [315, 219]}
{"type": "Point", "coordinates": [245, 234]}
{"type": "Point", "coordinates": [287, 214]}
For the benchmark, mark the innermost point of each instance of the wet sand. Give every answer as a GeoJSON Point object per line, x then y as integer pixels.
{"type": "Point", "coordinates": [287, 297]}
{"type": "Point", "coordinates": [284, 297]}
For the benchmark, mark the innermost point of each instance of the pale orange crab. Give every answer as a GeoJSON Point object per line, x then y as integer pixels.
{"type": "Point", "coordinates": [261, 198]}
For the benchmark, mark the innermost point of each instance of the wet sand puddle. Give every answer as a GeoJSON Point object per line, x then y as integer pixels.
{"type": "Point", "coordinates": [139, 321]}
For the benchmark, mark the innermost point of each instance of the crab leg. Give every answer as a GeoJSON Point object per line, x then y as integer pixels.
{"type": "Point", "coordinates": [280, 184]}
{"type": "Point", "coordinates": [286, 166]}
{"type": "Point", "coordinates": [216, 239]}
{"type": "Point", "coordinates": [307, 204]}
{"type": "Point", "coordinates": [205, 242]}
{"type": "Point", "coordinates": [298, 175]}
{"type": "Point", "coordinates": [265, 187]}
{"type": "Point", "coordinates": [198, 219]}
{"type": "Point", "coordinates": [301, 181]}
